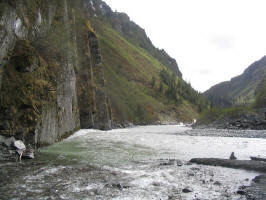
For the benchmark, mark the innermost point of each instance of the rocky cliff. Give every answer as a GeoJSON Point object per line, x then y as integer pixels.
{"type": "Point", "coordinates": [241, 89]}
{"type": "Point", "coordinates": [66, 65]}
{"type": "Point", "coordinates": [48, 57]}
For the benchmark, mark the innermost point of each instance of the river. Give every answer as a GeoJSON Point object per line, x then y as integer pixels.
{"type": "Point", "coordinates": [149, 162]}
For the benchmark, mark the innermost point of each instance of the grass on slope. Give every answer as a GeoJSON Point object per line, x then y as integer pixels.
{"type": "Point", "coordinates": [213, 114]}
{"type": "Point", "coordinates": [128, 71]}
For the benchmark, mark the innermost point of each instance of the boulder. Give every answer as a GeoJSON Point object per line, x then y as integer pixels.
{"type": "Point", "coordinates": [241, 192]}
{"type": "Point", "coordinates": [2, 139]}
{"type": "Point", "coordinates": [117, 185]}
{"type": "Point", "coordinates": [8, 142]}
{"type": "Point", "coordinates": [28, 153]}
{"type": "Point", "coordinates": [19, 145]}
{"type": "Point", "coordinates": [175, 162]}
{"type": "Point", "coordinates": [187, 190]}
{"type": "Point", "coordinates": [232, 156]}
{"type": "Point", "coordinates": [217, 183]}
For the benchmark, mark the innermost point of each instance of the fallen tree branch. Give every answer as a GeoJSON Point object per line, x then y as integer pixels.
{"type": "Point", "coordinates": [236, 164]}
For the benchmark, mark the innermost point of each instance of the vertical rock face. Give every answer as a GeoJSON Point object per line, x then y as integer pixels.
{"type": "Point", "coordinates": [65, 120]}
{"type": "Point", "coordinates": [102, 117]}
{"type": "Point", "coordinates": [10, 26]}
{"type": "Point", "coordinates": [49, 63]}
{"type": "Point", "coordinates": [95, 113]}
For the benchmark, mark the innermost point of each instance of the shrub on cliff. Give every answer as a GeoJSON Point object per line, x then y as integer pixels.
{"type": "Point", "coordinates": [261, 97]}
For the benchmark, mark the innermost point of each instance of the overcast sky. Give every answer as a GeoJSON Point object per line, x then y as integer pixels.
{"type": "Point", "coordinates": [211, 40]}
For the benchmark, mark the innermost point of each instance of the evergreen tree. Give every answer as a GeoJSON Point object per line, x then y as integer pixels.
{"type": "Point", "coordinates": [152, 81]}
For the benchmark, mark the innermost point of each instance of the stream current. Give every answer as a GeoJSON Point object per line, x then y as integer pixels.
{"type": "Point", "coordinates": [146, 162]}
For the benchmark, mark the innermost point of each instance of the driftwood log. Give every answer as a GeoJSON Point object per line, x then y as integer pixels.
{"type": "Point", "coordinates": [258, 159]}
{"type": "Point", "coordinates": [236, 164]}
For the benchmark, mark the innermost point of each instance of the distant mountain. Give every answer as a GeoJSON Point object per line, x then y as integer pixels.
{"type": "Point", "coordinates": [241, 89]}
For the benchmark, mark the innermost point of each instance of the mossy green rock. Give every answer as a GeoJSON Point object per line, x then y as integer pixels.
{"type": "Point", "coordinates": [67, 64]}
{"type": "Point", "coordinates": [45, 47]}
{"type": "Point", "coordinates": [26, 89]}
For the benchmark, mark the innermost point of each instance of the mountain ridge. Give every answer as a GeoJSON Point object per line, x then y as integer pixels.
{"type": "Point", "coordinates": [122, 23]}
{"type": "Point", "coordinates": [240, 89]}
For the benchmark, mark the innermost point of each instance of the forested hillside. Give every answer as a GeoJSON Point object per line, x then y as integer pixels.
{"type": "Point", "coordinates": [241, 89]}
{"type": "Point", "coordinates": [144, 83]}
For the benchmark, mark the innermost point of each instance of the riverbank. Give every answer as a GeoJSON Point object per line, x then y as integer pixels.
{"type": "Point", "coordinates": [255, 120]}
{"type": "Point", "coordinates": [116, 125]}
{"type": "Point", "coordinates": [149, 162]}
{"type": "Point", "coordinates": [160, 178]}
{"type": "Point", "coordinates": [212, 132]}
{"type": "Point", "coordinates": [257, 189]}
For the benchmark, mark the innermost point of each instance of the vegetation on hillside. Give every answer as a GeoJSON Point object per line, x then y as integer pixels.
{"type": "Point", "coordinates": [261, 96]}
{"type": "Point", "coordinates": [241, 89]}
{"type": "Point", "coordinates": [141, 89]}
{"type": "Point", "coordinates": [178, 90]}
{"type": "Point", "coordinates": [214, 113]}
{"type": "Point", "coordinates": [97, 58]}
{"type": "Point", "coordinates": [244, 95]}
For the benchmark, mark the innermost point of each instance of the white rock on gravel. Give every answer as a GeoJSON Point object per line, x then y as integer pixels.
{"type": "Point", "coordinates": [19, 145]}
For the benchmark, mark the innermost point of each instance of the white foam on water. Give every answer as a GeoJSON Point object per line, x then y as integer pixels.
{"type": "Point", "coordinates": [83, 132]}
{"type": "Point", "coordinates": [132, 158]}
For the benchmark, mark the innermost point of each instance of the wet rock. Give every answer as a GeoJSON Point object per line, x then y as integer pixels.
{"type": "Point", "coordinates": [5, 154]}
{"type": "Point", "coordinates": [259, 179]}
{"type": "Point", "coordinates": [241, 192]}
{"type": "Point", "coordinates": [187, 190]}
{"type": "Point", "coordinates": [117, 185]}
{"type": "Point", "coordinates": [168, 162]}
{"type": "Point", "coordinates": [217, 183]}
{"type": "Point", "coordinates": [10, 147]}
{"type": "Point", "coordinates": [128, 125]}
{"type": "Point", "coordinates": [171, 197]}
{"type": "Point", "coordinates": [243, 187]}
{"type": "Point", "coordinates": [156, 184]}
{"type": "Point", "coordinates": [2, 139]}
{"type": "Point", "coordinates": [28, 153]}
{"type": "Point", "coordinates": [191, 174]}
{"type": "Point", "coordinates": [195, 169]}
{"type": "Point", "coordinates": [257, 189]}
{"type": "Point", "coordinates": [188, 163]}
{"type": "Point", "coordinates": [232, 156]}
{"type": "Point", "coordinates": [8, 142]}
